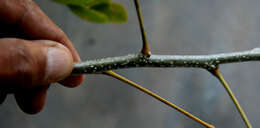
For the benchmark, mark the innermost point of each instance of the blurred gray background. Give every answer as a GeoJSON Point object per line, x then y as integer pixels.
{"type": "Point", "coordinates": [182, 27]}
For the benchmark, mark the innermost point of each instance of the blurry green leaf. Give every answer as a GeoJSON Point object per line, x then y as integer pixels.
{"type": "Point", "coordinates": [89, 14]}
{"type": "Point", "coordinates": [75, 2]}
{"type": "Point", "coordinates": [82, 2]}
{"type": "Point", "coordinates": [115, 12]}
{"type": "Point", "coordinates": [99, 11]}
{"type": "Point", "coordinates": [98, 2]}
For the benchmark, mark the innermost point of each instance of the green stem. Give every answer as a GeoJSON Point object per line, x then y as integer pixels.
{"type": "Point", "coordinates": [232, 96]}
{"type": "Point", "coordinates": [208, 62]}
{"type": "Point", "coordinates": [145, 49]}
{"type": "Point", "coordinates": [121, 78]}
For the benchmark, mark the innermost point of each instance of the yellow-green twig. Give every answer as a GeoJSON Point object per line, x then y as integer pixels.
{"type": "Point", "coordinates": [231, 94]}
{"type": "Point", "coordinates": [121, 78]}
{"type": "Point", "coordinates": [145, 49]}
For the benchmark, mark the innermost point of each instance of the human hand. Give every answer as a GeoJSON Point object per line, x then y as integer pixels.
{"type": "Point", "coordinates": [34, 53]}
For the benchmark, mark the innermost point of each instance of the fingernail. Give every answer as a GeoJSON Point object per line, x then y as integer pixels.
{"type": "Point", "coordinates": [59, 63]}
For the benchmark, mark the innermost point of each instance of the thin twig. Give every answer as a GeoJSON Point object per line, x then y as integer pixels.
{"type": "Point", "coordinates": [208, 62]}
{"type": "Point", "coordinates": [232, 96]}
{"type": "Point", "coordinates": [145, 49]}
{"type": "Point", "coordinates": [139, 87]}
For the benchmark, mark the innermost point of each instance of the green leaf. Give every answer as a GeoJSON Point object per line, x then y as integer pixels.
{"type": "Point", "coordinates": [98, 11]}
{"type": "Point", "coordinates": [115, 12]}
{"type": "Point", "coordinates": [89, 14]}
{"type": "Point", "coordinates": [75, 2]}
{"type": "Point", "coordinates": [82, 2]}
{"type": "Point", "coordinates": [98, 2]}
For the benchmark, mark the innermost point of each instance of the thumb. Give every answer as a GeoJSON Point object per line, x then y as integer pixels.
{"type": "Point", "coordinates": [28, 67]}
{"type": "Point", "coordinates": [30, 64]}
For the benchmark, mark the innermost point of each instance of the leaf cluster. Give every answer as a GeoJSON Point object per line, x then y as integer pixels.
{"type": "Point", "coordinates": [97, 11]}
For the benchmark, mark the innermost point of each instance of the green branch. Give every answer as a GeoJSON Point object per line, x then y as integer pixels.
{"type": "Point", "coordinates": [209, 62]}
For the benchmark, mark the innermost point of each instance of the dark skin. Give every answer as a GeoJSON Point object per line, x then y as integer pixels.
{"type": "Point", "coordinates": [34, 52]}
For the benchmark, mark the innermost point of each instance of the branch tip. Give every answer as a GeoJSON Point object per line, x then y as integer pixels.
{"type": "Point", "coordinates": [213, 70]}
{"type": "Point", "coordinates": [146, 52]}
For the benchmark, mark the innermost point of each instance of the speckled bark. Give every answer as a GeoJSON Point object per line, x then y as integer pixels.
{"type": "Point", "coordinates": [209, 62]}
